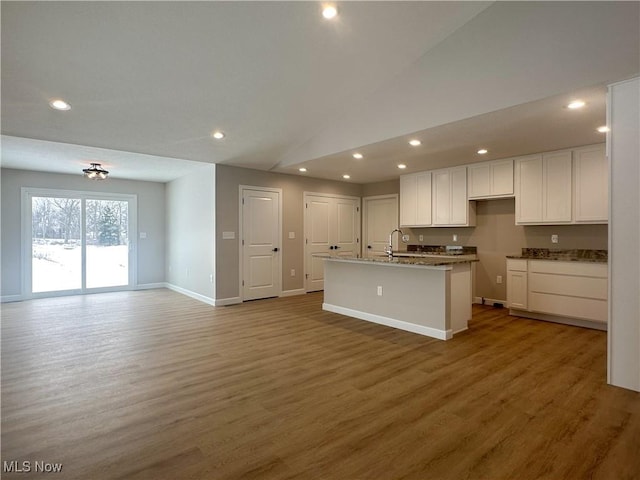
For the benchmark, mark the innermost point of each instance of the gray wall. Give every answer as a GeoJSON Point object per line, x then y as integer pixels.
{"type": "Point", "coordinates": [228, 180]}
{"type": "Point", "coordinates": [190, 232]}
{"type": "Point", "coordinates": [151, 219]}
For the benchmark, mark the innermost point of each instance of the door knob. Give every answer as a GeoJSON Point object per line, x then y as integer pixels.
{"type": "Point", "coordinates": [369, 247]}
{"type": "Point", "coordinates": [275, 249]}
{"type": "Point", "coordinates": [336, 247]}
{"type": "Point", "coordinates": [331, 247]}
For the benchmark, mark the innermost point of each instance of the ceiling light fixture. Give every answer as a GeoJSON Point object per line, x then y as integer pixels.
{"type": "Point", "coordinates": [482, 151]}
{"type": "Point", "coordinates": [346, 176]}
{"type": "Point", "coordinates": [218, 135]}
{"type": "Point", "coordinates": [302, 169]}
{"type": "Point", "coordinates": [357, 156]}
{"type": "Point", "coordinates": [402, 166]}
{"type": "Point", "coordinates": [329, 12]}
{"type": "Point", "coordinates": [95, 172]}
{"type": "Point", "coordinates": [603, 129]}
{"type": "Point", "coordinates": [415, 142]}
{"type": "Point", "coordinates": [576, 104]}
{"type": "Point", "coordinates": [59, 104]}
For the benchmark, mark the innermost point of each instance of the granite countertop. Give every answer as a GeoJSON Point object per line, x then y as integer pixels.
{"type": "Point", "coordinates": [588, 256]}
{"type": "Point", "coordinates": [432, 261]}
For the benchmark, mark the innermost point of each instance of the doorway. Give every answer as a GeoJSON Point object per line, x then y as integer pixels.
{"type": "Point", "coordinates": [261, 242]}
{"type": "Point", "coordinates": [380, 218]}
{"type": "Point", "coordinates": [77, 242]}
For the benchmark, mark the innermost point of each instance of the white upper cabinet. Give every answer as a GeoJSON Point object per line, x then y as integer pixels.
{"type": "Point", "coordinates": [590, 185]}
{"type": "Point", "coordinates": [451, 206]}
{"type": "Point", "coordinates": [415, 200]}
{"type": "Point", "coordinates": [543, 188]}
{"type": "Point", "coordinates": [490, 179]}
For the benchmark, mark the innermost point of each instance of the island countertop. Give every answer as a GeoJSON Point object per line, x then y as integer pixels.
{"type": "Point", "coordinates": [437, 261]}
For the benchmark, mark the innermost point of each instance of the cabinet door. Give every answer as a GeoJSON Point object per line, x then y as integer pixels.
{"type": "Point", "coordinates": [557, 187]}
{"type": "Point", "coordinates": [423, 198]}
{"type": "Point", "coordinates": [480, 180]}
{"type": "Point", "coordinates": [441, 197]}
{"type": "Point", "coordinates": [517, 289]}
{"type": "Point", "coordinates": [459, 202]}
{"type": "Point", "coordinates": [529, 189]}
{"type": "Point", "coordinates": [590, 181]}
{"type": "Point", "coordinates": [408, 200]}
{"type": "Point", "coordinates": [502, 178]}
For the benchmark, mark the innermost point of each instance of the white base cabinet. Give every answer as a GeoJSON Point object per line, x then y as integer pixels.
{"type": "Point", "coordinates": [567, 289]}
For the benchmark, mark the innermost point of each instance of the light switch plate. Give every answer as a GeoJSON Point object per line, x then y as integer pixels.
{"type": "Point", "coordinates": [228, 235]}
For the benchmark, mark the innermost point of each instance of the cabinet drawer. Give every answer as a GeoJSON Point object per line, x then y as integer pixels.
{"type": "Point", "coordinates": [584, 287]}
{"type": "Point", "coordinates": [517, 265]}
{"type": "Point", "coordinates": [586, 308]}
{"type": "Point", "coordinates": [598, 270]}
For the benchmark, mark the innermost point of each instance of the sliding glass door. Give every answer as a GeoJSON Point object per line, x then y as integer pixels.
{"type": "Point", "coordinates": [77, 242]}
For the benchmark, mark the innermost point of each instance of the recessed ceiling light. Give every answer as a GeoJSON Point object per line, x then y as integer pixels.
{"type": "Point", "coordinates": [402, 166]}
{"type": "Point", "coordinates": [482, 151]}
{"type": "Point", "coordinates": [59, 104]}
{"type": "Point", "coordinates": [576, 104]}
{"type": "Point", "coordinates": [415, 142]}
{"type": "Point", "coordinates": [302, 169]}
{"type": "Point", "coordinates": [357, 155]}
{"type": "Point", "coordinates": [346, 176]}
{"type": "Point", "coordinates": [603, 129]}
{"type": "Point", "coordinates": [218, 135]}
{"type": "Point", "coordinates": [329, 12]}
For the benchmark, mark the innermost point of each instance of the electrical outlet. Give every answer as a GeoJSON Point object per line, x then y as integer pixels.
{"type": "Point", "coordinates": [293, 272]}
{"type": "Point", "coordinates": [292, 235]}
{"type": "Point", "coordinates": [421, 238]}
{"type": "Point", "coordinates": [455, 237]}
{"type": "Point", "coordinates": [379, 290]}
{"type": "Point", "coordinates": [554, 238]}
{"type": "Point", "coordinates": [499, 279]}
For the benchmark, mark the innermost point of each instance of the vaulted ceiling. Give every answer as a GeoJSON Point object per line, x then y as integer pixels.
{"type": "Point", "coordinates": [290, 88]}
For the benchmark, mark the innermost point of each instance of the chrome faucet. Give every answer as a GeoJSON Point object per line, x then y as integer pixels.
{"type": "Point", "coordinates": [389, 249]}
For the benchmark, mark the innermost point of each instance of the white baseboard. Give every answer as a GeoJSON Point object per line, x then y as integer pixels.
{"type": "Point", "coordinates": [488, 301]}
{"type": "Point", "coordinates": [221, 302]}
{"type": "Point", "coordinates": [151, 286]}
{"type": "Point", "coordinates": [11, 298]}
{"type": "Point", "coordinates": [576, 322]}
{"type": "Point", "coordinates": [390, 322]}
{"type": "Point", "coordinates": [292, 293]}
{"type": "Point", "coordinates": [194, 295]}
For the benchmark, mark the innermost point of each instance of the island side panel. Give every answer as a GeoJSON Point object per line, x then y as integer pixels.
{"type": "Point", "coordinates": [413, 299]}
{"type": "Point", "coordinates": [461, 296]}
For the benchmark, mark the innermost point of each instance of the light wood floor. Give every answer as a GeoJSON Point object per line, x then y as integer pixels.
{"type": "Point", "coordinates": [154, 385]}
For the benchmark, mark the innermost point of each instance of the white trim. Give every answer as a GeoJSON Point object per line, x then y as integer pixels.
{"type": "Point", "coordinates": [194, 295]}
{"type": "Point", "coordinates": [489, 301]}
{"type": "Point", "coordinates": [241, 189]}
{"type": "Point", "coordinates": [293, 293]}
{"type": "Point", "coordinates": [221, 302]}
{"type": "Point", "coordinates": [390, 322]}
{"type": "Point", "coordinates": [11, 298]}
{"type": "Point", "coordinates": [150, 286]}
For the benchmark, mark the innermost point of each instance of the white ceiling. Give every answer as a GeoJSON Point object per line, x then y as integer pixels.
{"type": "Point", "coordinates": [149, 81]}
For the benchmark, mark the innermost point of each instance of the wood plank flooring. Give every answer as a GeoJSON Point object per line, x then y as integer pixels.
{"type": "Point", "coordinates": [155, 385]}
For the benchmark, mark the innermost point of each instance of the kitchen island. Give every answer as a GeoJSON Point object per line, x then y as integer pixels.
{"type": "Point", "coordinates": [428, 295]}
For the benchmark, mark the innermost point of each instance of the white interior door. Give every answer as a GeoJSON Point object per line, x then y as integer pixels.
{"type": "Point", "coordinates": [380, 218]}
{"type": "Point", "coordinates": [332, 226]}
{"type": "Point", "coordinates": [261, 244]}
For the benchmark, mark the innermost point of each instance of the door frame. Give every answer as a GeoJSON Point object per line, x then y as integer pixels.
{"type": "Point", "coordinates": [305, 196]}
{"type": "Point", "coordinates": [365, 200]}
{"type": "Point", "coordinates": [26, 247]}
{"type": "Point", "coordinates": [241, 189]}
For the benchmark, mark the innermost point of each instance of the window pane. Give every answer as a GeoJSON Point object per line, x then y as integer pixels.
{"type": "Point", "coordinates": [56, 247]}
{"type": "Point", "coordinates": [107, 238]}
